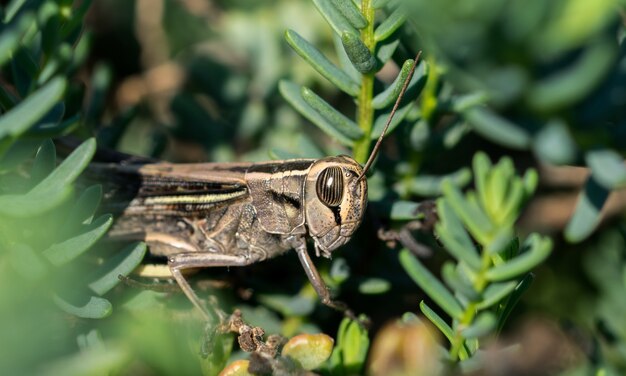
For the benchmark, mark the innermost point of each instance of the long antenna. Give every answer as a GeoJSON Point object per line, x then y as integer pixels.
{"type": "Point", "coordinates": [370, 160]}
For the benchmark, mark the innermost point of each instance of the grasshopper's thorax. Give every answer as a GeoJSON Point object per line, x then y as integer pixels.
{"type": "Point", "coordinates": [335, 202]}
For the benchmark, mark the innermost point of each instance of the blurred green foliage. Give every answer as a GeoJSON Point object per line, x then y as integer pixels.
{"type": "Point", "coordinates": [537, 82]}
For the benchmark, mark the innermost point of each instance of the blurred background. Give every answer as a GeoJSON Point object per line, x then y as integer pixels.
{"type": "Point", "coordinates": [541, 82]}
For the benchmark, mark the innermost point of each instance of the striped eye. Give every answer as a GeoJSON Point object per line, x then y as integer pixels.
{"type": "Point", "coordinates": [329, 186]}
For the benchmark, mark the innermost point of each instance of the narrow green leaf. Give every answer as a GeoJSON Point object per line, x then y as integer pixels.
{"type": "Point", "coordinates": [458, 284]}
{"type": "Point", "coordinates": [514, 297]}
{"type": "Point", "coordinates": [390, 94]}
{"type": "Point", "coordinates": [124, 262]}
{"type": "Point", "coordinates": [100, 83]}
{"type": "Point", "coordinates": [353, 344]}
{"type": "Point", "coordinates": [607, 168]}
{"type": "Point", "coordinates": [390, 24]}
{"type": "Point", "coordinates": [333, 16]}
{"type": "Point", "coordinates": [69, 170]}
{"type": "Point", "coordinates": [349, 10]}
{"type": "Point", "coordinates": [381, 120]}
{"type": "Point", "coordinates": [64, 252]}
{"type": "Point", "coordinates": [321, 64]}
{"type": "Point", "coordinates": [440, 323]}
{"type": "Point", "coordinates": [405, 211]}
{"type": "Point", "coordinates": [429, 185]}
{"type": "Point", "coordinates": [333, 117]}
{"type": "Point", "coordinates": [358, 53]}
{"type": "Point", "coordinates": [24, 68]}
{"type": "Point", "coordinates": [531, 180]}
{"type": "Point", "coordinates": [385, 50]}
{"type": "Point", "coordinates": [540, 249]}
{"type": "Point", "coordinates": [83, 210]}
{"type": "Point", "coordinates": [45, 161]}
{"type": "Point", "coordinates": [454, 237]}
{"type": "Point", "coordinates": [573, 83]}
{"type": "Point", "coordinates": [54, 129]}
{"type": "Point", "coordinates": [12, 8]}
{"type": "Point", "coordinates": [497, 129]}
{"type": "Point", "coordinates": [586, 216]}
{"type": "Point", "coordinates": [374, 286]}
{"type": "Point", "coordinates": [94, 308]}
{"type": "Point", "coordinates": [484, 324]}
{"type": "Point", "coordinates": [473, 217]}
{"type": "Point", "coordinates": [510, 209]}
{"type": "Point", "coordinates": [554, 144]}
{"type": "Point", "coordinates": [494, 293]}
{"type": "Point", "coordinates": [377, 4]}
{"type": "Point", "coordinates": [292, 94]}
{"type": "Point", "coordinates": [11, 36]}
{"type": "Point", "coordinates": [430, 284]}
{"type": "Point", "coordinates": [482, 167]}
{"type": "Point", "coordinates": [28, 112]}
{"type": "Point", "coordinates": [498, 184]}
{"type": "Point", "coordinates": [344, 62]}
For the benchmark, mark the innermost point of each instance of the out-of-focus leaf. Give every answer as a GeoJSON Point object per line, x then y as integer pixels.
{"type": "Point", "coordinates": [539, 250]}
{"type": "Point", "coordinates": [28, 112]}
{"type": "Point", "coordinates": [51, 190]}
{"type": "Point", "coordinates": [352, 14]}
{"type": "Point", "coordinates": [571, 85]}
{"type": "Point", "coordinates": [607, 168]}
{"type": "Point", "coordinates": [358, 53]}
{"type": "Point", "coordinates": [385, 49]}
{"type": "Point", "coordinates": [472, 215]}
{"type": "Point", "coordinates": [299, 305]}
{"type": "Point", "coordinates": [381, 120]}
{"type": "Point", "coordinates": [334, 18]}
{"type": "Point", "coordinates": [554, 144]}
{"type": "Point", "coordinates": [11, 36]}
{"type": "Point", "coordinates": [105, 277]}
{"type": "Point", "coordinates": [497, 129]}
{"type": "Point", "coordinates": [351, 349]}
{"type": "Point", "coordinates": [513, 298]}
{"type": "Point", "coordinates": [494, 293]}
{"type": "Point", "coordinates": [417, 83]}
{"type": "Point", "coordinates": [85, 207]}
{"type": "Point", "coordinates": [321, 64]}
{"type": "Point", "coordinates": [430, 284]}
{"type": "Point", "coordinates": [99, 361]}
{"type": "Point", "coordinates": [482, 325]}
{"type": "Point", "coordinates": [100, 82]}
{"type": "Point", "coordinates": [24, 67]}
{"type": "Point", "coordinates": [64, 252]}
{"type": "Point", "coordinates": [333, 117]}
{"type": "Point", "coordinates": [586, 216]}
{"type": "Point", "coordinates": [390, 24]}
{"type": "Point", "coordinates": [458, 284]}
{"type": "Point", "coordinates": [292, 93]}
{"type": "Point", "coordinates": [94, 308]}
{"type": "Point", "coordinates": [45, 161]}
{"type": "Point", "coordinates": [428, 185]}
{"type": "Point", "coordinates": [454, 237]}
{"type": "Point", "coordinates": [373, 286]}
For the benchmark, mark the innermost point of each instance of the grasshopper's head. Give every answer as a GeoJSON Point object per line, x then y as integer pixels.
{"type": "Point", "coordinates": [335, 201]}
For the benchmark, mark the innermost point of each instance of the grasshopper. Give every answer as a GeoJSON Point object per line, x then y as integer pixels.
{"type": "Point", "coordinates": [236, 214]}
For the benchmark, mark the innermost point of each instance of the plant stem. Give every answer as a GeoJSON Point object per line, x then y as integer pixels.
{"type": "Point", "coordinates": [470, 313]}
{"type": "Point", "coordinates": [365, 115]}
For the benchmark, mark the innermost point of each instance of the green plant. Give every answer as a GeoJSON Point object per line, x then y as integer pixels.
{"type": "Point", "coordinates": [491, 269]}
{"type": "Point", "coordinates": [363, 48]}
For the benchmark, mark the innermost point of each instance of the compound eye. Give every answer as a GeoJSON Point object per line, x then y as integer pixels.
{"type": "Point", "coordinates": [329, 186]}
